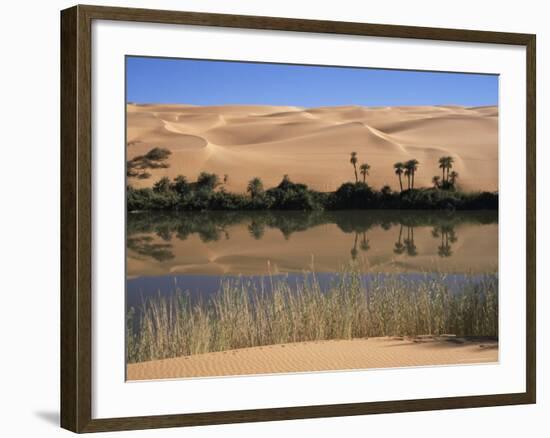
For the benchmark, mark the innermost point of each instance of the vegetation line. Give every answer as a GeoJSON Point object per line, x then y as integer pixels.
{"type": "Point", "coordinates": [208, 191]}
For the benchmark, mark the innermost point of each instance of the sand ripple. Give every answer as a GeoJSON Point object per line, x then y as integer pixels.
{"type": "Point", "coordinates": [321, 356]}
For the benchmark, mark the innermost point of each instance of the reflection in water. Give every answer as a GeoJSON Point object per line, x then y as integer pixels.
{"type": "Point", "coordinates": [256, 229]}
{"type": "Point", "coordinates": [448, 236]}
{"type": "Point", "coordinates": [143, 245]}
{"type": "Point", "coordinates": [156, 237]}
{"type": "Point", "coordinates": [266, 274]}
{"type": "Point", "coordinates": [399, 248]}
{"type": "Point", "coordinates": [410, 247]}
{"type": "Point", "coordinates": [363, 246]}
{"type": "Point", "coordinates": [405, 245]}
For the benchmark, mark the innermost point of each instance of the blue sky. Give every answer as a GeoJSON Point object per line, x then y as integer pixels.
{"type": "Point", "coordinates": [199, 82]}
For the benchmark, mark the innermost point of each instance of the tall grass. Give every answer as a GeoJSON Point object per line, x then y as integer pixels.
{"type": "Point", "coordinates": [242, 314]}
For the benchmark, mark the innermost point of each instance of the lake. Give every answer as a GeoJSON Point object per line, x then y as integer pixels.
{"type": "Point", "coordinates": [193, 251]}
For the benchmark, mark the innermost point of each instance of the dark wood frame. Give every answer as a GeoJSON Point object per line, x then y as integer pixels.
{"type": "Point", "coordinates": [76, 168]}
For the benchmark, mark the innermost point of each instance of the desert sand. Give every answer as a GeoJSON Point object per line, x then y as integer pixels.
{"type": "Point", "coordinates": [322, 356]}
{"type": "Point", "coordinates": [312, 145]}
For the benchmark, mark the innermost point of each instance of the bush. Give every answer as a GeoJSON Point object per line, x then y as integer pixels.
{"type": "Point", "coordinates": [201, 195]}
{"type": "Point", "coordinates": [352, 196]}
{"type": "Point", "coordinates": [291, 196]}
{"type": "Point", "coordinates": [207, 181]}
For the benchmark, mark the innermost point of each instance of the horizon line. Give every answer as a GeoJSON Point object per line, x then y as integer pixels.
{"type": "Point", "coordinates": [443, 105]}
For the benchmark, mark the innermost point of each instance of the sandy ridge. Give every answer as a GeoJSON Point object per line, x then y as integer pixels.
{"type": "Point", "coordinates": [312, 145]}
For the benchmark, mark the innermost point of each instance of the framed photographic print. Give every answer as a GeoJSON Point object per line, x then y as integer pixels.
{"type": "Point", "coordinates": [303, 218]}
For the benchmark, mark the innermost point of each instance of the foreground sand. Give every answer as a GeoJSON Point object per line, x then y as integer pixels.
{"type": "Point", "coordinates": [321, 356]}
{"type": "Point", "coordinates": [312, 145]}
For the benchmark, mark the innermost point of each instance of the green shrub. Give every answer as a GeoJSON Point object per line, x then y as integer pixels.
{"type": "Point", "coordinates": [202, 195]}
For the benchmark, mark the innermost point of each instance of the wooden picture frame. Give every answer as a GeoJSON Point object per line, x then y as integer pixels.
{"type": "Point", "coordinates": [76, 217]}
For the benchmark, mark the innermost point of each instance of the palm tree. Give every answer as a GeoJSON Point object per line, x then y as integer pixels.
{"type": "Point", "coordinates": [364, 168]}
{"type": "Point", "coordinates": [255, 187]}
{"type": "Point", "coordinates": [436, 181]}
{"type": "Point", "coordinates": [399, 168]}
{"type": "Point", "coordinates": [450, 161]}
{"type": "Point", "coordinates": [408, 175]}
{"type": "Point", "coordinates": [412, 167]}
{"type": "Point", "coordinates": [353, 161]}
{"type": "Point", "coordinates": [453, 176]}
{"type": "Point", "coordinates": [443, 166]}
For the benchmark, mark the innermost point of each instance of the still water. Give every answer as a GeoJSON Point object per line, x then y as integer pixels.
{"type": "Point", "coordinates": [195, 251]}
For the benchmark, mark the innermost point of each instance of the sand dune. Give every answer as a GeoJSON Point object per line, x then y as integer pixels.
{"type": "Point", "coordinates": [313, 145]}
{"type": "Point", "coordinates": [321, 356]}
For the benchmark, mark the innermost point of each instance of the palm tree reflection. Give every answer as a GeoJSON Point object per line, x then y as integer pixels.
{"type": "Point", "coordinates": [405, 245]}
{"type": "Point", "coordinates": [410, 247]}
{"type": "Point", "coordinates": [399, 248]}
{"type": "Point", "coordinates": [363, 246]}
{"type": "Point", "coordinates": [447, 234]}
{"type": "Point", "coordinates": [152, 235]}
